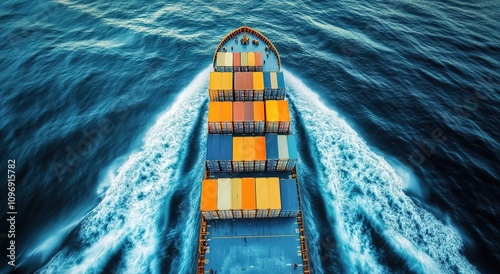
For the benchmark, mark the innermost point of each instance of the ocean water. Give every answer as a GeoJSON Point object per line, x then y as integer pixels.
{"type": "Point", "coordinates": [396, 106]}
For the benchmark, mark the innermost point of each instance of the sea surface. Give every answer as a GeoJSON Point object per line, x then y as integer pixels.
{"type": "Point", "coordinates": [396, 105]}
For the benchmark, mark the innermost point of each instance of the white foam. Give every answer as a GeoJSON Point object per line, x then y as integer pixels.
{"type": "Point", "coordinates": [130, 209]}
{"type": "Point", "coordinates": [360, 185]}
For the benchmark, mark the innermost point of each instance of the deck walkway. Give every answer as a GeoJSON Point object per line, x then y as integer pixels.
{"type": "Point", "coordinates": [254, 246]}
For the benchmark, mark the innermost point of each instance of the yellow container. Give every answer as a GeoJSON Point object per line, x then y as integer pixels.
{"type": "Point", "coordinates": [258, 80]}
{"type": "Point", "coordinates": [251, 59]}
{"type": "Point", "coordinates": [236, 194]}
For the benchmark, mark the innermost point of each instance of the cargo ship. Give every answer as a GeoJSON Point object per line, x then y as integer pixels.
{"type": "Point", "coordinates": [250, 207]}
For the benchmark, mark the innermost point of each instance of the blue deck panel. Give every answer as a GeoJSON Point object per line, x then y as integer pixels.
{"type": "Point", "coordinates": [254, 246]}
{"type": "Point", "coordinates": [271, 60]}
{"type": "Point", "coordinates": [281, 80]}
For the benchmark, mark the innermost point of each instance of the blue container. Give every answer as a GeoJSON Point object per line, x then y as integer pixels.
{"type": "Point", "coordinates": [272, 153]}
{"type": "Point", "coordinates": [289, 198]}
{"type": "Point", "coordinates": [225, 143]}
{"type": "Point", "coordinates": [212, 153]}
{"type": "Point", "coordinates": [281, 86]}
{"type": "Point", "coordinates": [267, 85]}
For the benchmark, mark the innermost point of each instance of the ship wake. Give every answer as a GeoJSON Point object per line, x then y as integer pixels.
{"type": "Point", "coordinates": [376, 227]}
{"type": "Point", "coordinates": [124, 232]}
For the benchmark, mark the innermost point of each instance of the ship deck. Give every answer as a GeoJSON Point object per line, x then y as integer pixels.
{"type": "Point", "coordinates": [270, 59]}
{"type": "Point", "coordinates": [270, 245]}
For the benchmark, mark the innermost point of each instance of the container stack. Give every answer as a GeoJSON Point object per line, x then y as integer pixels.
{"type": "Point", "coordinates": [208, 204]}
{"type": "Point", "coordinates": [277, 116]}
{"type": "Point", "coordinates": [248, 86]}
{"type": "Point", "coordinates": [219, 153]}
{"type": "Point", "coordinates": [281, 152]}
{"type": "Point", "coordinates": [289, 198]}
{"type": "Point", "coordinates": [227, 198]}
{"type": "Point", "coordinates": [236, 198]}
{"type": "Point", "coordinates": [221, 86]}
{"type": "Point", "coordinates": [247, 61]}
{"type": "Point", "coordinates": [268, 197]}
{"type": "Point", "coordinates": [249, 154]}
{"type": "Point", "coordinates": [249, 127]}
{"type": "Point", "coordinates": [224, 198]}
{"type": "Point", "coordinates": [224, 62]}
{"type": "Point", "coordinates": [274, 85]}
{"type": "Point", "coordinates": [220, 117]}
{"type": "Point", "coordinates": [248, 202]}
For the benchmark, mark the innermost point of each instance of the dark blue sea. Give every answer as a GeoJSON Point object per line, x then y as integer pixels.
{"type": "Point", "coordinates": [396, 106]}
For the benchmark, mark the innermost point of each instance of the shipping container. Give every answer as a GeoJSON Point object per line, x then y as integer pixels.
{"type": "Point", "coordinates": [239, 86]}
{"type": "Point", "coordinates": [212, 84]}
{"type": "Point", "coordinates": [267, 86]}
{"type": "Point", "coordinates": [248, 202]}
{"type": "Point", "coordinates": [212, 153]}
{"type": "Point", "coordinates": [227, 86]}
{"type": "Point", "coordinates": [272, 116]}
{"type": "Point", "coordinates": [248, 86]}
{"type": "Point", "coordinates": [272, 153]}
{"type": "Point", "coordinates": [244, 61]}
{"type": "Point", "coordinates": [292, 152]}
{"type": "Point", "coordinates": [258, 86]}
{"type": "Point", "coordinates": [258, 61]}
{"type": "Point", "coordinates": [208, 203]}
{"type": "Point", "coordinates": [238, 154]}
{"type": "Point", "coordinates": [289, 198]}
{"type": "Point", "coordinates": [236, 197]}
{"type": "Point", "coordinates": [251, 61]}
{"type": "Point", "coordinates": [281, 86]}
{"type": "Point", "coordinates": [260, 153]}
{"type": "Point", "coordinates": [283, 153]}
{"type": "Point", "coordinates": [221, 86]}
{"type": "Point", "coordinates": [227, 117]}
{"type": "Point", "coordinates": [243, 86]}
{"type": "Point", "coordinates": [284, 117]}
{"type": "Point", "coordinates": [220, 61]}
{"type": "Point", "coordinates": [228, 61]}
{"type": "Point", "coordinates": [214, 117]}
{"type": "Point", "coordinates": [226, 152]}
{"type": "Point", "coordinates": [224, 198]}
{"type": "Point", "coordinates": [249, 125]}
{"type": "Point", "coordinates": [238, 117]}
{"type": "Point", "coordinates": [249, 154]}
{"type": "Point", "coordinates": [236, 61]}
{"type": "Point", "coordinates": [273, 187]}
{"type": "Point", "coordinates": [262, 197]}
{"type": "Point", "coordinates": [259, 117]}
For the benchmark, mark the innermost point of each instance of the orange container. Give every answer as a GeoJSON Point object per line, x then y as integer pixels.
{"type": "Point", "coordinates": [239, 80]}
{"type": "Point", "coordinates": [258, 59]}
{"type": "Point", "coordinates": [258, 111]}
{"type": "Point", "coordinates": [236, 59]}
{"type": "Point", "coordinates": [237, 149]}
{"type": "Point", "coordinates": [284, 111]}
{"type": "Point", "coordinates": [208, 195]}
{"type": "Point", "coordinates": [248, 193]}
{"type": "Point", "coordinates": [248, 148]}
{"type": "Point", "coordinates": [227, 117]}
{"type": "Point", "coordinates": [260, 148]}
